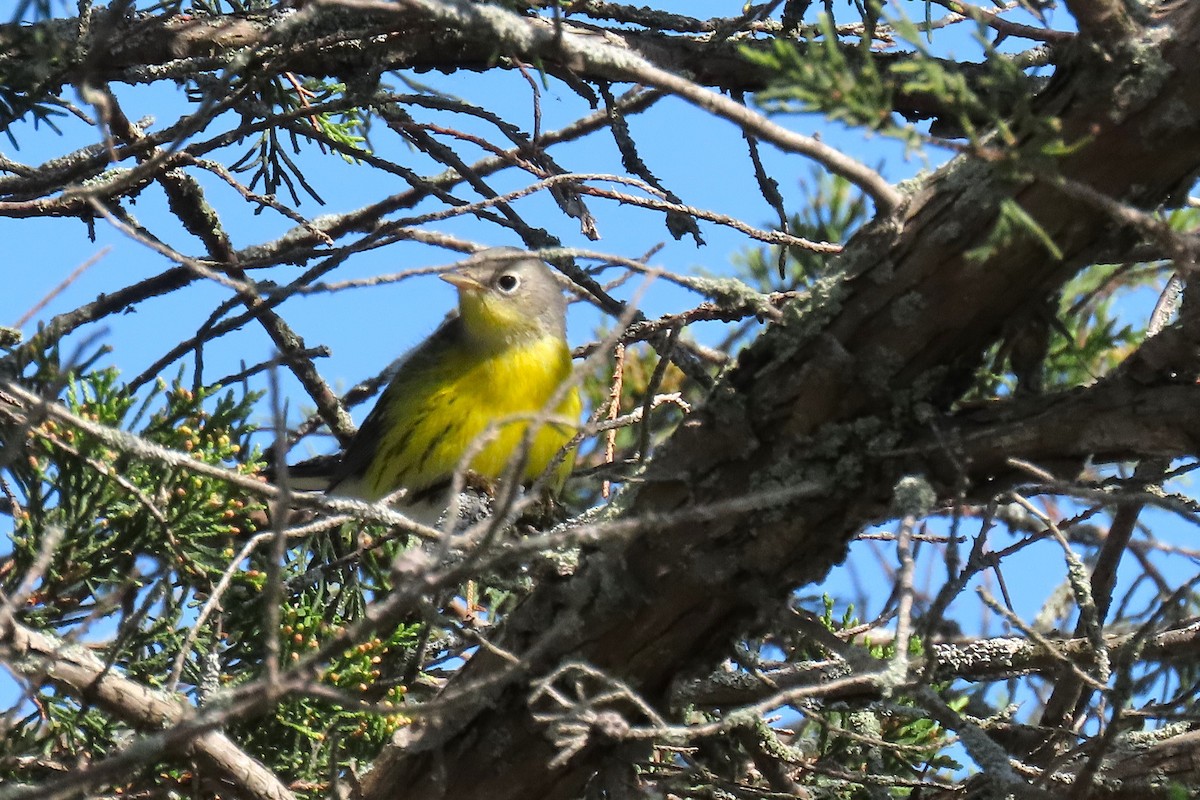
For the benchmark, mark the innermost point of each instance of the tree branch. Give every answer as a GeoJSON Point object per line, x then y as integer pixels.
{"type": "Point", "coordinates": [418, 36]}
{"type": "Point", "coordinates": [918, 303]}
{"type": "Point", "coordinates": [75, 670]}
{"type": "Point", "coordinates": [1104, 21]}
{"type": "Point", "coordinates": [974, 660]}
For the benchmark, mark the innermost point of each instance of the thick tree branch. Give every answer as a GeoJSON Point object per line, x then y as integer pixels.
{"type": "Point", "coordinates": [72, 668]}
{"type": "Point", "coordinates": [1107, 22]}
{"type": "Point", "coordinates": [974, 660]}
{"type": "Point", "coordinates": [1117, 420]}
{"type": "Point", "coordinates": [808, 438]}
{"type": "Point", "coordinates": [810, 399]}
{"type": "Point", "coordinates": [353, 39]}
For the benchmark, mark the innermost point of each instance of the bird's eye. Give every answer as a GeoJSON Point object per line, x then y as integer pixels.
{"type": "Point", "coordinates": [508, 283]}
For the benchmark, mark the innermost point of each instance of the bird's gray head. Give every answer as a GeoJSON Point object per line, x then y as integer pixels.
{"type": "Point", "coordinates": [504, 294]}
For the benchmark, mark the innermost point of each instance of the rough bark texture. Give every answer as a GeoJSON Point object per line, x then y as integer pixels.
{"type": "Point", "coordinates": [41, 657]}
{"type": "Point", "coordinates": [354, 44]}
{"type": "Point", "coordinates": [821, 396]}
{"type": "Point", "coordinates": [829, 409]}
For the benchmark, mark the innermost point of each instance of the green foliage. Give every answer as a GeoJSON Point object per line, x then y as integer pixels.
{"type": "Point", "coordinates": [882, 738]}
{"type": "Point", "coordinates": [834, 209]}
{"type": "Point", "coordinates": [306, 737]}
{"type": "Point", "coordinates": [1094, 340]}
{"type": "Point", "coordinates": [1177, 791]}
{"type": "Point", "coordinates": [268, 158]}
{"type": "Point", "coordinates": [1012, 224]}
{"type": "Point", "coordinates": [128, 550]}
{"type": "Point", "coordinates": [850, 85]}
{"type": "Point", "coordinates": [122, 544]}
{"type": "Point", "coordinates": [825, 78]}
{"type": "Point", "coordinates": [120, 516]}
{"type": "Point", "coordinates": [346, 129]}
{"type": "Point", "coordinates": [1091, 333]}
{"type": "Point", "coordinates": [970, 104]}
{"type": "Point", "coordinates": [31, 73]}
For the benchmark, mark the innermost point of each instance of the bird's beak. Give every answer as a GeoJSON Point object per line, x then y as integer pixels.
{"type": "Point", "coordinates": [462, 282]}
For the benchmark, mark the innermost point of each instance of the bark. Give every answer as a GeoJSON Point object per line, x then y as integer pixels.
{"type": "Point", "coordinates": [847, 392]}
{"type": "Point", "coordinates": [71, 667]}
{"type": "Point", "coordinates": [825, 394]}
{"type": "Point", "coordinates": [355, 42]}
{"type": "Point", "coordinates": [974, 660]}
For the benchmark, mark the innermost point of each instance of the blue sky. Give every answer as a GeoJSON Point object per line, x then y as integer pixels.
{"type": "Point", "coordinates": [708, 168]}
{"type": "Point", "coordinates": [703, 161]}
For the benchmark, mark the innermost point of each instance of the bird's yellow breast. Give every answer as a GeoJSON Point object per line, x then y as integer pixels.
{"type": "Point", "coordinates": [478, 407]}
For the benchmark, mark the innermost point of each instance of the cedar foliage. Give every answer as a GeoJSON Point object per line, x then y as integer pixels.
{"type": "Point", "coordinates": [938, 384]}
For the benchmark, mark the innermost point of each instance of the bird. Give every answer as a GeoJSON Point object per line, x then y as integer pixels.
{"type": "Point", "coordinates": [489, 385]}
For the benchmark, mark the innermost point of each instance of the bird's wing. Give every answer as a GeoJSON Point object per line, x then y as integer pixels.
{"type": "Point", "coordinates": [358, 456]}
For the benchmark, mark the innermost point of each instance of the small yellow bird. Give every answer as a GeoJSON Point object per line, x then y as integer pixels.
{"type": "Point", "coordinates": [483, 379]}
